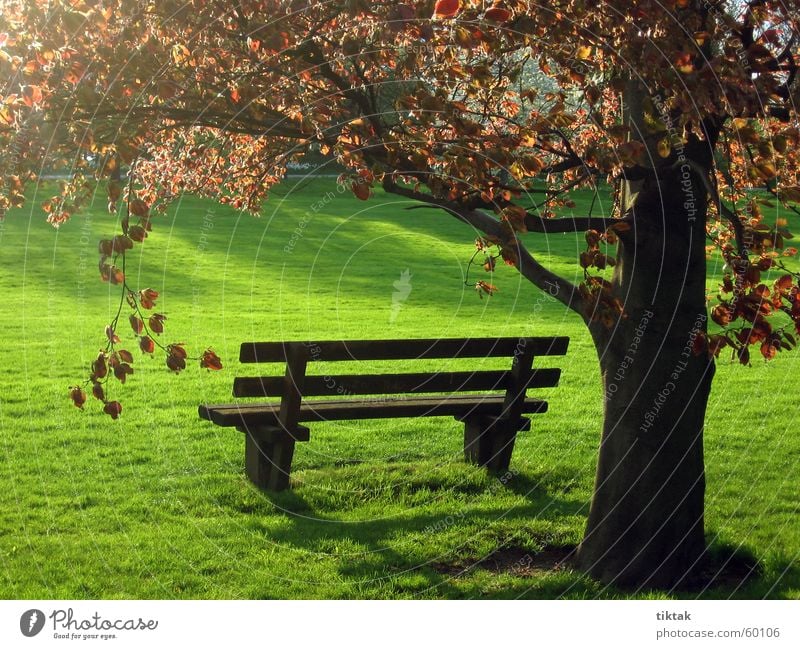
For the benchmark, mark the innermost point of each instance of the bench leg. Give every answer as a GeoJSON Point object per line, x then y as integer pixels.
{"type": "Point", "coordinates": [268, 459]}
{"type": "Point", "coordinates": [489, 442]}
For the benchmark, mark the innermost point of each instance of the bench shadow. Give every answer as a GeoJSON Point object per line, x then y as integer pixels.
{"type": "Point", "coordinates": [423, 555]}
{"type": "Point", "coordinates": [418, 555]}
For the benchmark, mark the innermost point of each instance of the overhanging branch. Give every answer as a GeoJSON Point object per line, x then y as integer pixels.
{"type": "Point", "coordinates": [568, 224]}
{"type": "Point", "coordinates": [541, 277]}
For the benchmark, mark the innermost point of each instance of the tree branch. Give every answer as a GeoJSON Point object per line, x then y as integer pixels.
{"type": "Point", "coordinates": [541, 277]}
{"type": "Point", "coordinates": [568, 224]}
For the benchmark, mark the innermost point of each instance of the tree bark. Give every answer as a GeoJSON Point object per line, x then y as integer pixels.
{"type": "Point", "coordinates": [645, 526]}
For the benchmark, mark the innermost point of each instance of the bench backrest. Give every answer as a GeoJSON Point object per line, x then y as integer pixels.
{"type": "Point", "coordinates": [296, 384]}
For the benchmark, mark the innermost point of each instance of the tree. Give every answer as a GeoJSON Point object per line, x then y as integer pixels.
{"type": "Point", "coordinates": [686, 107]}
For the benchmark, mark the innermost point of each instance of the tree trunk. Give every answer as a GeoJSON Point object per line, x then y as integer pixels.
{"type": "Point", "coordinates": [645, 527]}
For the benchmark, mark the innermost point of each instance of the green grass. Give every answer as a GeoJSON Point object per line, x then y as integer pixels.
{"type": "Point", "coordinates": [156, 505]}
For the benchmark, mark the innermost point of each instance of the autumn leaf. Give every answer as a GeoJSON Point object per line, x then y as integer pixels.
{"type": "Point", "coordinates": [586, 258]}
{"type": "Point", "coordinates": [99, 366]}
{"type": "Point", "coordinates": [156, 322]}
{"type": "Point", "coordinates": [768, 350]}
{"type": "Point", "coordinates": [78, 396]}
{"type": "Point", "coordinates": [111, 335]}
{"type": "Point", "coordinates": [113, 275]}
{"type": "Point", "coordinates": [147, 345]}
{"type": "Point", "coordinates": [721, 315]}
{"type": "Point", "coordinates": [784, 283]}
{"type": "Point", "coordinates": [97, 391]}
{"type": "Point", "coordinates": [113, 409]}
{"type": "Point", "coordinates": [210, 360]}
{"type": "Point", "coordinates": [181, 54]}
{"type": "Point", "coordinates": [484, 287]}
{"type": "Point", "coordinates": [592, 238]}
{"type": "Point", "coordinates": [683, 63]}
{"type": "Point", "coordinates": [497, 14]}
{"type": "Point", "coordinates": [177, 350]}
{"type": "Point", "coordinates": [121, 371]}
{"type": "Point", "coordinates": [138, 207]}
{"type": "Point", "coordinates": [176, 363]}
{"type": "Point", "coordinates": [136, 324]}
{"type": "Point", "coordinates": [360, 190]}
{"type": "Point", "coordinates": [32, 95]}
{"type": "Point", "coordinates": [147, 298]}
{"type": "Point", "coordinates": [137, 233]}
{"type": "Point", "coordinates": [446, 8]}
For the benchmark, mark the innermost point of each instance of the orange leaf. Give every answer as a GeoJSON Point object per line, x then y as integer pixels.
{"type": "Point", "coordinates": [147, 298]}
{"type": "Point", "coordinates": [784, 283]}
{"type": "Point", "coordinates": [484, 287]}
{"type": "Point", "coordinates": [361, 190]}
{"type": "Point", "coordinates": [157, 322]}
{"type": "Point", "coordinates": [210, 360]}
{"type": "Point", "coordinates": [721, 315]}
{"type": "Point", "coordinates": [99, 367]}
{"type": "Point", "coordinates": [177, 351]}
{"type": "Point", "coordinates": [147, 345]}
{"type": "Point", "coordinates": [592, 238]}
{"type": "Point", "coordinates": [176, 363]}
{"type": "Point", "coordinates": [111, 334]}
{"type": "Point", "coordinates": [768, 351]}
{"type": "Point", "coordinates": [683, 63]}
{"type": "Point", "coordinates": [138, 207]}
{"type": "Point", "coordinates": [446, 8]}
{"type": "Point", "coordinates": [137, 325]}
{"type": "Point", "coordinates": [137, 233]}
{"type": "Point", "coordinates": [78, 396]}
{"type": "Point", "coordinates": [121, 371]}
{"type": "Point", "coordinates": [498, 14]}
{"type": "Point", "coordinates": [113, 408]}
{"type": "Point", "coordinates": [32, 95]}
{"type": "Point", "coordinates": [97, 391]}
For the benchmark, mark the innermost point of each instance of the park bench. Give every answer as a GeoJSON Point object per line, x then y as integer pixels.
{"type": "Point", "coordinates": [491, 403]}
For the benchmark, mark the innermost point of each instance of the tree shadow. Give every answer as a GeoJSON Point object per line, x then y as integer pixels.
{"type": "Point", "coordinates": [427, 555]}
{"type": "Point", "coordinates": [432, 554]}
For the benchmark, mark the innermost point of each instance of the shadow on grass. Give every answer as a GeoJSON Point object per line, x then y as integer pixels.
{"type": "Point", "coordinates": [445, 553]}
{"type": "Point", "coordinates": [488, 551]}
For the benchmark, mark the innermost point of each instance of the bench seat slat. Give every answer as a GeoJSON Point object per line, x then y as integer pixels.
{"type": "Point", "coordinates": [360, 384]}
{"type": "Point", "coordinates": [456, 406]}
{"type": "Point", "coordinates": [375, 350]}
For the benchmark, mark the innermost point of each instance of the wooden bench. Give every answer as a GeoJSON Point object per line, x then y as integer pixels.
{"type": "Point", "coordinates": [491, 403]}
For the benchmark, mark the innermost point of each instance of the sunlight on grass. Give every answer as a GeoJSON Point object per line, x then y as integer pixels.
{"type": "Point", "coordinates": [155, 505]}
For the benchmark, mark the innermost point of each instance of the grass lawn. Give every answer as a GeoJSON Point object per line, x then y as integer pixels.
{"type": "Point", "coordinates": [156, 505]}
